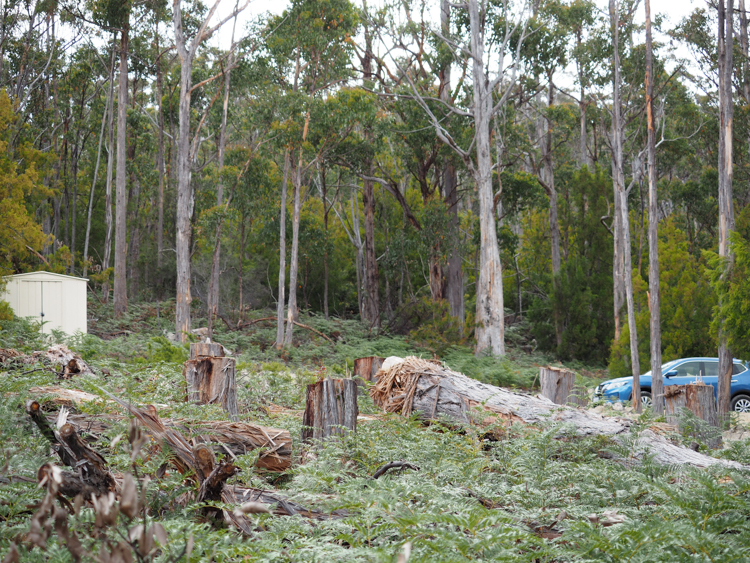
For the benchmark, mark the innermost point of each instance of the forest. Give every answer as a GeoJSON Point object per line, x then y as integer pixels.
{"type": "Point", "coordinates": [427, 169]}
{"type": "Point", "coordinates": [498, 185]}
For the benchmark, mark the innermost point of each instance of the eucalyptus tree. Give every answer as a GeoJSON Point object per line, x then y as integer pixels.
{"type": "Point", "coordinates": [623, 274]}
{"type": "Point", "coordinates": [187, 49]}
{"type": "Point", "coordinates": [726, 171]}
{"type": "Point", "coordinates": [310, 42]}
{"type": "Point", "coordinates": [494, 32]}
{"type": "Point", "coordinates": [657, 383]}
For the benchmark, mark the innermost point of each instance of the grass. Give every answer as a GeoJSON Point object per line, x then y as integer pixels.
{"type": "Point", "coordinates": [522, 495]}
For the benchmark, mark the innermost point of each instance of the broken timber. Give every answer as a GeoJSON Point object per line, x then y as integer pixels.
{"type": "Point", "coordinates": [91, 474]}
{"type": "Point", "coordinates": [331, 409]}
{"type": "Point", "coordinates": [433, 391]}
{"type": "Point", "coordinates": [211, 379]}
{"type": "Point", "coordinates": [557, 384]}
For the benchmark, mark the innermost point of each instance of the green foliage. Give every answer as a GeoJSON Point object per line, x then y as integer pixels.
{"type": "Point", "coordinates": [162, 350]}
{"type": "Point", "coordinates": [687, 301]}
{"type": "Point", "coordinates": [732, 284]}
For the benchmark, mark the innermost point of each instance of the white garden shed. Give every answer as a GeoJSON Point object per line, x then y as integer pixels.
{"type": "Point", "coordinates": [58, 300]}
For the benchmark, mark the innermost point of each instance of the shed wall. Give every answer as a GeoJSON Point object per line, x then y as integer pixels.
{"type": "Point", "coordinates": [61, 298]}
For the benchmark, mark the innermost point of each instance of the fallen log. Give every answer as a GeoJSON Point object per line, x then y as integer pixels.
{"type": "Point", "coordinates": [71, 363]}
{"type": "Point", "coordinates": [434, 391]}
{"type": "Point", "coordinates": [236, 438]}
{"type": "Point", "coordinates": [91, 474]}
{"type": "Point", "coordinates": [201, 461]}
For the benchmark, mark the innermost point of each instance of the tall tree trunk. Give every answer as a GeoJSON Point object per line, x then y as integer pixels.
{"type": "Point", "coordinates": [108, 196]}
{"type": "Point", "coordinates": [372, 303]}
{"type": "Point", "coordinates": [490, 316]}
{"type": "Point", "coordinates": [291, 312]}
{"type": "Point", "coordinates": [657, 383]}
{"type": "Point", "coordinates": [160, 160]}
{"type": "Point", "coordinates": [121, 208]}
{"type": "Point", "coordinates": [184, 206]}
{"type": "Point", "coordinates": [241, 265]}
{"type": "Point", "coordinates": [281, 303]}
{"type": "Point", "coordinates": [372, 298]}
{"type": "Point", "coordinates": [213, 286]}
{"type": "Point", "coordinates": [726, 173]}
{"type": "Point", "coordinates": [107, 110]}
{"type": "Point", "coordinates": [326, 210]}
{"type": "Point", "coordinates": [621, 193]}
{"type": "Point", "coordinates": [582, 107]}
{"type": "Point", "coordinates": [554, 224]}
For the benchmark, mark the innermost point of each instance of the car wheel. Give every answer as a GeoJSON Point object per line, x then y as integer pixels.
{"type": "Point", "coordinates": [740, 403]}
{"type": "Point", "coordinates": [646, 398]}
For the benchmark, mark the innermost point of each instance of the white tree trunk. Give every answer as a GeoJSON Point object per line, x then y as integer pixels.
{"type": "Point", "coordinates": [121, 209]}
{"type": "Point", "coordinates": [184, 204]}
{"type": "Point", "coordinates": [726, 208]}
{"type": "Point", "coordinates": [490, 312]}
{"type": "Point", "coordinates": [621, 193]}
{"type": "Point", "coordinates": [291, 313]}
{"type": "Point", "coordinates": [657, 383]}
{"type": "Point", "coordinates": [282, 257]}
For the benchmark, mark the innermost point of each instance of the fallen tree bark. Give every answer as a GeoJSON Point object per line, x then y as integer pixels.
{"type": "Point", "coordinates": [236, 438]}
{"type": "Point", "coordinates": [212, 477]}
{"type": "Point", "coordinates": [433, 391]}
{"type": "Point", "coordinates": [91, 475]}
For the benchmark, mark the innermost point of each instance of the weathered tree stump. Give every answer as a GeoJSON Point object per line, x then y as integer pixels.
{"type": "Point", "coordinates": [367, 368]}
{"type": "Point", "coordinates": [200, 350]}
{"type": "Point", "coordinates": [557, 384]}
{"type": "Point", "coordinates": [331, 409]}
{"type": "Point", "coordinates": [674, 401]}
{"type": "Point", "coordinates": [211, 380]}
{"type": "Point", "coordinates": [699, 399]}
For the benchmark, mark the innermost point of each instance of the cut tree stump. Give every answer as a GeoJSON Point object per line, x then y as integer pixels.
{"type": "Point", "coordinates": [675, 400]}
{"type": "Point", "coordinates": [436, 392]}
{"type": "Point", "coordinates": [211, 380]}
{"type": "Point", "coordinates": [557, 384]}
{"type": "Point", "coordinates": [699, 399]}
{"type": "Point", "coordinates": [367, 368]}
{"type": "Point", "coordinates": [200, 350]}
{"type": "Point", "coordinates": [331, 409]}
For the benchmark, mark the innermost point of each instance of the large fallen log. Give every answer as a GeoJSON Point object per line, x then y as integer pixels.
{"type": "Point", "coordinates": [435, 392]}
{"type": "Point", "coordinates": [235, 438]}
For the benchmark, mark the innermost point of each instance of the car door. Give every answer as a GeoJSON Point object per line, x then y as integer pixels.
{"type": "Point", "coordinates": [711, 376]}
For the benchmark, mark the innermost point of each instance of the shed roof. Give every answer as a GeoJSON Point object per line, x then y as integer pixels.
{"type": "Point", "coordinates": [30, 274]}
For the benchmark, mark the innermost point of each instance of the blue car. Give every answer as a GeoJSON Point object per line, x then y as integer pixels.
{"type": "Point", "coordinates": [681, 372]}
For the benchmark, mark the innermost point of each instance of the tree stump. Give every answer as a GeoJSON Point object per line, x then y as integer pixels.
{"type": "Point", "coordinates": [211, 380]}
{"type": "Point", "coordinates": [367, 368]}
{"type": "Point", "coordinates": [674, 401]}
{"type": "Point", "coordinates": [206, 349]}
{"type": "Point", "coordinates": [331, 409]}
{"type": "Point", "coordinates": [557, 384]}
{"type": "Point", "coordinates": [699, 399]}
